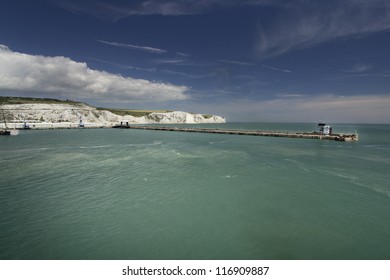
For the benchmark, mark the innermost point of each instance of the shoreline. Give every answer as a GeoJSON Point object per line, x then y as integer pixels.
{"type": "Point", "coordinates": [44, 126]}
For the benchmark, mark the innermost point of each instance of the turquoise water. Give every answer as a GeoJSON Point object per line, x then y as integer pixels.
{"type": "Point", "coordinates": [135, 194]}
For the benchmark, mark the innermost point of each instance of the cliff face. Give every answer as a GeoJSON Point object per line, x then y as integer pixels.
{"type": "Point", "coordinates": [65, 115]}
{"type": "Point", "coordinates": [182, 117]}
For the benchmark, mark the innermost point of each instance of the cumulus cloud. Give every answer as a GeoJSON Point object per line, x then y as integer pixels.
{"type": "Point", "coordinates": [35, 73]}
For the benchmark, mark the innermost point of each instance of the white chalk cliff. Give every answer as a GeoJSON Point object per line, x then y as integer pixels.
{"type": "Point", "coordinates": [68, 115]}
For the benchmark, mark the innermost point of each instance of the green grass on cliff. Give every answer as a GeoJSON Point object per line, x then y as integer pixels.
{"type": "Point", "coordinates": [133, 112]}
{"type": "Point", "coordinates": [5, 100]}
{"type": "Point", "coordinates": [10, 100]}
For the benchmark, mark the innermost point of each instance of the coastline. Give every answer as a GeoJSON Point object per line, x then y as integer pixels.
{"type": "Point", "coordinates": [61, 125]}
{"type": "Point", "coordinates": [76, 125]}
{"type": "Point", "coordinates": [67, 116]}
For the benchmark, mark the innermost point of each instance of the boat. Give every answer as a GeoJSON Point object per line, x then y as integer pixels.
{"type": "Point", "coordinates": [5, 131]}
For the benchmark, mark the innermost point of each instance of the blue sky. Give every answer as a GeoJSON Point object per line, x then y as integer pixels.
{"type": "Point", "coordinates": [254, 60]}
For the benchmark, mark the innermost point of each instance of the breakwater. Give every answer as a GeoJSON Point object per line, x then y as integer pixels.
{"type": "Point", "coordinates": [303, 135]}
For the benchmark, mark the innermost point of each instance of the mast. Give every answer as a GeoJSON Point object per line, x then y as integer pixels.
{"type": "Point", "coordinates": [5, 121]}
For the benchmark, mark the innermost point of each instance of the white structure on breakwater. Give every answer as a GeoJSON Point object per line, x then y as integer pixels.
{"type": "Point", "coordinates": [324, 129]}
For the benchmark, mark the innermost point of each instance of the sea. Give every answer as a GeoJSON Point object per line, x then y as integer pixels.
{"type": "Point", "coordinates": [77, 194]}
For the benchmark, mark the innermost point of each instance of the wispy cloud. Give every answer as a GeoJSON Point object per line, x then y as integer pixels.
{"type": "Point", "coordinates": [169, 61]}
{"type": "Point", "coordinates": [34, 73]}
{"type": "Point", "coordinates": [182, 61]}
{"type": "Point", "coordinates": [359, 68]}
{"type": "Point", "coordinates": [182, 54]}
{"type": "Point", "coordinates": [289, 95]}
{"type": "Point", "coordinates": [107, 10]}
{"type": "Point", "coordinates": [187, 75]}
{"type": "Point", "coordinates": [297, 24]}
{"type": "Point", "coordinates": [123, 66]}
{"type": "Point", "coordinates": [383, 75]}
{"type": "Point", "coordinates": [309, 23]}
{"type": "Point", "coordinates": [236, 62]}
{"type": "Point", "coordinates": [244, 77]}
{"type": "Point", "coordinates": [153, 69]}
{"type": "Point", "coordinates": [276, 68]}
{"type": "Point", "coordinates": [212, 93]}
{"type": "Point", "coordinates": [134, 47]}
{"type": "Point", "coordinates": [150, 70]}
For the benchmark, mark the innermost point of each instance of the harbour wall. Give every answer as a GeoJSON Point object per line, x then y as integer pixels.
{"type": "Point", "coordinates": [303, 135]}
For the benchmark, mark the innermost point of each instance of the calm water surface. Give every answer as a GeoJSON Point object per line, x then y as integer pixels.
{"type": "Point", "coordinates": [135, 194]}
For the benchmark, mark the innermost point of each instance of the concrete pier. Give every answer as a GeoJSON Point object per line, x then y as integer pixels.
{"type": "Point", "coordinates": [304, 135]}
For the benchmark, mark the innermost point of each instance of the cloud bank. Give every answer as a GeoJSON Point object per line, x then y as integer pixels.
{"type": "Point", "coordinates": [35, 73]}
{"type": "Point", "coordinates": [301, 108]}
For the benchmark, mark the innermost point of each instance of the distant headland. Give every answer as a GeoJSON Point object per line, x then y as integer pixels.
{"type": "Point", "coordinates": [46, 113]}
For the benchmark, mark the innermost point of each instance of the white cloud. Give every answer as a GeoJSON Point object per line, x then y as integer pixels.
{"type": "Point", "coordinates": [360, 67]}
{"type": "Point", "coordinates": [33, 73]}
{"type": "Point", "coordinates": [171, 61]}
{"type": "Point", "coordinates": [276, 68]}
{"type": "Point", "coordinates": [236, 62]}
{"type": "Point", "coordinates": [182, 54]}
{"type": "Point", "coordinates": [309, 23]}
{"type": "Point", "coordinates": [107, 10]}
{"type": "Point", "coordinates": [187, 75]}
{"type": "Point", "coordinates": [135, 47]}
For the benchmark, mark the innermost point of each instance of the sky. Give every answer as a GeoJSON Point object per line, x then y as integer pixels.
{"type": "Point", "coordinates": [246, 60]}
